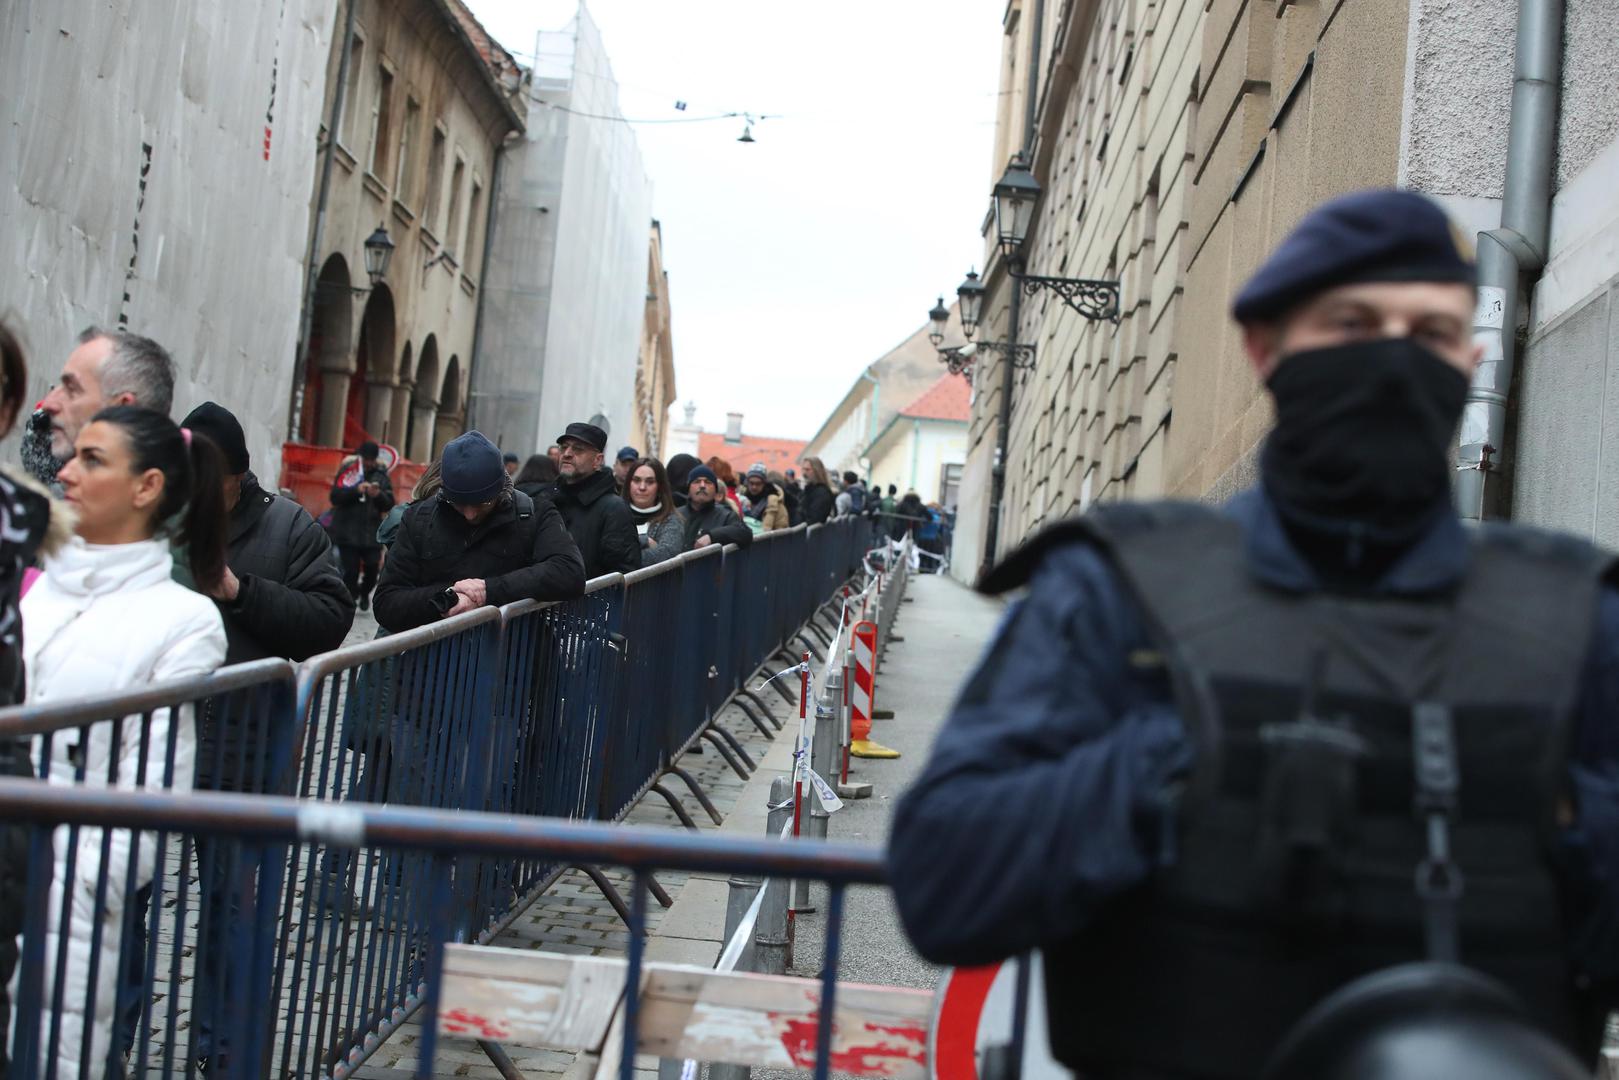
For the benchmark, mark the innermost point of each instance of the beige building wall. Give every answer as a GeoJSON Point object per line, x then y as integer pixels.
{"type": "Point", "coordinates": [913, 453]}
{"type": "Point", "coordinates": [1112, 149]}
{"type": "Point", "coordinates": [423, 116]}
{"type": "Point", "coordinates": [1297, 102]}
{"type": "Point", "coordinates": [655, 375]}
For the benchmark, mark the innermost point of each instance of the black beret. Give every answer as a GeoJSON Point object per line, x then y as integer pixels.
{"type": "Point", "coordinates": [1379, 235]}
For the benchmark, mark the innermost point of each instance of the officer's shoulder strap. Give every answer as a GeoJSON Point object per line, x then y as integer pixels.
{"type": "Point", "coordinates": [1144, 530]}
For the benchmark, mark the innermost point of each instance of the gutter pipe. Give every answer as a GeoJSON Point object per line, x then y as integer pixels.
{"type": "Point", "coordinates": [1508, 254]}
{"type": "Point", "coordinates": [490, 219]}
{"type": "Point", "coordinates": [306, 317]}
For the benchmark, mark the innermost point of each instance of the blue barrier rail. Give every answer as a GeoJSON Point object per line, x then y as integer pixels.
{"type": "Point", "coordinates": [564, 710]}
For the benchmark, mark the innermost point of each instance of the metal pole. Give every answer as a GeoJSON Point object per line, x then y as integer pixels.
{"type": "Point", "coordinates": [824, 747]}
{"type": "Point", "coordinates": [770, 938]}
{"type": "Point", "coordinates": [306, 317]}
{"type": "Point", "coordinates": [1509, 254]}
{"type": "Point", "coordinates": [741, 889]}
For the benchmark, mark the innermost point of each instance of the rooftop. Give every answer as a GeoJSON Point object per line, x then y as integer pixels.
{"type": "Point", "coordinates": [778, 455]}
{"type": "Point", "coordinates": [948, 399]}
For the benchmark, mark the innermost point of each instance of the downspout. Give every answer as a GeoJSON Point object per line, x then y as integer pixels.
{"type": "Point", "coordinates": [876, 396]}
{"type": "Point", "coordinates": [483, 270]}
{"type": "Point", "coordinates": [1014, 316]}
{"type": "Point", "coordinates": [306, 317]}
{"type": "Point", "coordinates": [1508, 254]}
{"type": "Point", "coordinates": [916, 450]}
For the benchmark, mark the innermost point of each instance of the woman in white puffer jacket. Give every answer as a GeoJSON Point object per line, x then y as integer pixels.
{"type": "Point", "coordinates": [105, 617]}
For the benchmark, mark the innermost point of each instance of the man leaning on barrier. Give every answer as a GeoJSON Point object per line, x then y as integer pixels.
{"type": "Point", "coordinates": [1221, 763]}
{"type": "Point", "coordinates": [708, 519]}
{"type": "Point", "coordinates": [478, 541]}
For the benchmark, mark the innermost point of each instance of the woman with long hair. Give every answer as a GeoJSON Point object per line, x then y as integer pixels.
{"type": "Point", "coordinates": [652, 504]}
{"type": "Point", "coordinates": [817, 500]}
{"type": "Point", "coordinates": [537, 476]}
{"type": "Point", "coordinates": [727, 477]}
{"type": "Point", "coordinates": [106, 616]}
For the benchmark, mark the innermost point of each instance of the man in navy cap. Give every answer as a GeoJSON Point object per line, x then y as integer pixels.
{"type": "Point", "coordinates": [478, 541]}
{"type": "Point", "coordinates": [1210, 764]}
{"type": "Point", "coordinates": [587, 494]}
{"type": "Point", "coordinates": [623, 462]}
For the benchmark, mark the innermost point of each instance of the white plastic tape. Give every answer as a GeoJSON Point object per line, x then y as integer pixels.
{"type": "Point", "coordinates": [331, 823]}
{"type": "Point", "coordinates": [823, 791]}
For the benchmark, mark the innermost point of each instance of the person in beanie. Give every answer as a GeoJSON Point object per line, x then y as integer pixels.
{"type": "Point", "coordinates": [357, 509]}
{"type": "Point", "coordinates": [477, 541]}
{"type": "Point", "coordinates": [1210, 764]}
{"type": "Point", "coordinates": [512, 463]}
{"type": "Point", "coordinates": [766, 503]}
{"type": "Point", "coordinates": [586, 493]}
{"type": "Point", "coordinates": [708, 519]}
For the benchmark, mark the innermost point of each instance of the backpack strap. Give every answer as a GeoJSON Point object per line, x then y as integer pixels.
{"type": "Point", "coordinates": [522, 504]}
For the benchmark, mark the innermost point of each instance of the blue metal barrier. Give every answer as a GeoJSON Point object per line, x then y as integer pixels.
{"type": "Point", "coordinates": [567, 710]}
{"type": "Point", "coordinates": [255, 828]}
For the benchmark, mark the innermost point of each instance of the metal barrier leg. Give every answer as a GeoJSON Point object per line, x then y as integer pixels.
{"type": "Point", "coordinates": [748, 710]}
{"type": "Point", "coordinates": [751, 696]}
{"type": "Point", "coordinates": [674, 804]}
{"type": "Point", "coordinates": [736, 747]}
{"type": "Point", "coordinates": [698, 793]}
{"type": "Point", "coordinates": [725, 752]}
{"type": "Point", "coordinates": [503, 1064]}
{"type": "Point", "coordinates": [613, 897]}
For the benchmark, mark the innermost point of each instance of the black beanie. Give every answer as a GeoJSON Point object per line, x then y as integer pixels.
{"type": "Point", "coordinates": [216, 422]}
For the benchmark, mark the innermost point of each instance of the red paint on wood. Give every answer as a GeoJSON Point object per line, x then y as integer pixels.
{"type": "Point", "coordinates": [877, 1058]}
{"type": "Point", "coordinates": [462, 1022]}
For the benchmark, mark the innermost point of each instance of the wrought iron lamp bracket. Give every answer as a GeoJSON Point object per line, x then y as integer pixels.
{"type": "Point", "coordinates": [1094, 299]}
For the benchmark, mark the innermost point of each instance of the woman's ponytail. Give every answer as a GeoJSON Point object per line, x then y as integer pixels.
{"type": "Point", "coordinates": [203, 523]}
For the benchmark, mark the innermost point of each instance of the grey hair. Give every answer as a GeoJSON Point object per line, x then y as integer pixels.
{"type": "Point", "coordinates": [138, 366]}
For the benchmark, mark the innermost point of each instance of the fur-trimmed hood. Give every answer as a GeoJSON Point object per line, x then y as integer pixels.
{"type": "Point", "coordinates": [61, 519]}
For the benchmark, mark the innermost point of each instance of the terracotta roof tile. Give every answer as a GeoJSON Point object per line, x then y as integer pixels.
{"type": "Point", "coordinates": [778, 455]}
{"type": "Point", "coordinates": [948, 399]}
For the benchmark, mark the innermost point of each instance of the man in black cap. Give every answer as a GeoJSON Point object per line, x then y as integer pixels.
{"type": "Point", "coordinates": [478, 541]}
{"type": "Point", "coordinates": [622, 464]}
{"type": "Point", "coordinates": [281, 596]}
{"type": "Point", "coordinates": [1210, 764]}
{"type": "Point", "coordinates": [600, 521]}
{"type": "Point", "coordinates": [357, 509]}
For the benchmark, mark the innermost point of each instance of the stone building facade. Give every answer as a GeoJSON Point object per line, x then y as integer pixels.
{"type": "Point", "coordinates": [655, 376]}
{"type": "Point", "coordinates": [155, 168]}
{"type": "Point", "coordinates": [1177, 141]}
{"type": "Point", "coordinates": [428, 103]}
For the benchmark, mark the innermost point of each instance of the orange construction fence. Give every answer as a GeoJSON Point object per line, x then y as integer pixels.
{"type": "Point", "coordinates": [308, 472]}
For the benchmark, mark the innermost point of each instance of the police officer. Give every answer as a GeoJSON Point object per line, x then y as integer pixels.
{"type": "Point", "coordinates": [1221, 761]}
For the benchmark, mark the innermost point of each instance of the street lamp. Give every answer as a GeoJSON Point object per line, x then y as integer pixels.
{"type": "Point", "coordinates": [971, 295]}
{"type": "Point", "coordinates": [937, 318]}
{"type": "Point", "coordinates": [1015, 197]}
{"type": "Point", "coordinates": [379, 250]}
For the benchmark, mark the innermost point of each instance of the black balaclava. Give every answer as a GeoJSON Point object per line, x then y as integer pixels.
{"type": "Point", "coordinates": [1361, 448]}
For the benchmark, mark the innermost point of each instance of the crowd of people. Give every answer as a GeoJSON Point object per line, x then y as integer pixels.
{"type": "Point", "coordinates": [122, 517]}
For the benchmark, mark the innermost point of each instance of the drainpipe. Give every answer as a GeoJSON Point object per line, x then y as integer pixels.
{"type": "Point", "coordinates": [483, 271]}
{"type": "Point", "coordinates": [916, 451]}
{"type": "Point", "coordinates": [1014, 317]}
{"type": "Point", "coordinates": [1510, 253]}
{"type": "Point", "coordinates": [876, 396]}
{"type": "Point", "coordinates": [306, 317]}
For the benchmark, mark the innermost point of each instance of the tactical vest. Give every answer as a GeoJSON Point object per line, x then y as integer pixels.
{"type": "Point", "coordinates": [1297, 870]}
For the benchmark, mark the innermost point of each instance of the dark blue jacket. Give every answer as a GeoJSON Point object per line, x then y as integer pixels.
{"type": "Point", "coordinates": [1043, 795]}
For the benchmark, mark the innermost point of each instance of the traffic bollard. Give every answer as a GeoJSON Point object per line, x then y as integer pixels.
{"type": "Point", "coordinates": [824, 748]}
{"type": "Point", "coordinates": [812, 818]}
{"type": "Point", "coordinates": [770, 938]}
{"type": "Point", "coordinates": [741, 889]}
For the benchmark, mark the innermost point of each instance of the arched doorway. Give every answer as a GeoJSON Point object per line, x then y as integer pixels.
{"type": "Point", "coordinates": [424, 403]}
{"type": "Point", "coordinates": [327, 362]}
{"type": "Point", "coordinates": [369, 397]}
{"type": "Point", "coordinates": [450, 413]}
{"type": "Point", "coordinates": [397, 433]}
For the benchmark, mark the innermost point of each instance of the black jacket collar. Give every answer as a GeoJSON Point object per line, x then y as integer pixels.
{"type": "Point", "coordinates": [586, 491]}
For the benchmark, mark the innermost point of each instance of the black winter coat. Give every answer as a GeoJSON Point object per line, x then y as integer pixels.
{"type": "Point", "coordinates": [816, 505]}
{"type": "Point", "coordinates": [521, 551]}
{"type": "Point", "coordinates": [601, 524]}
{"type": "Point", "coordinates": [718, 521]}
{"type": "Point", "coordinates": [355, 519]}
{"type": "Point", "coordinates": [292, 602]}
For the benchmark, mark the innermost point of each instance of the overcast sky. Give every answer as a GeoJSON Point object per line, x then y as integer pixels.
{"type": "Point", "coordinates": [798, 259]}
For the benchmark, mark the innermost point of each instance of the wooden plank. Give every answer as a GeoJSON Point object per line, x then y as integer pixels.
{"type": "Point", "coordinates": [771, 1021]}
{"type": "Point", "coordinates": [529, 998]}
{"type": "Point", "coordinates": [575, 1003]}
